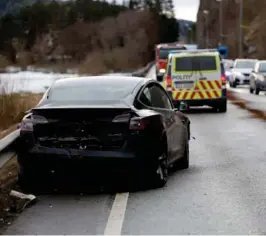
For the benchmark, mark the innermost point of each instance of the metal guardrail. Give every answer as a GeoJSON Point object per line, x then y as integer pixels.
{"type": "Point", "coordinates": [7, 141]}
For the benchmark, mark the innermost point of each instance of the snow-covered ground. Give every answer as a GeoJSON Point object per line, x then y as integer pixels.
{"type": "Point", "coordinates": [28, 81]}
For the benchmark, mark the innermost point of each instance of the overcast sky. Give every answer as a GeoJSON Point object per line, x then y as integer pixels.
{"type": "Point", "coordinates": [186, 9]}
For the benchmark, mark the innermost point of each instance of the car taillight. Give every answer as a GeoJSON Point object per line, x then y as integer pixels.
{"type": "Point", "coordinates": [169, 82]}
{"type": "Point", "coordinates": [122, 118]}
{"type": "Point", "coordinates": [223, 80]}
{"type": "Point", "coordinates": [135, 123]}
{"type": "Point", "coordinates": [26, 125]}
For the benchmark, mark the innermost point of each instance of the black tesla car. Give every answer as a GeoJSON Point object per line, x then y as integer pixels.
{"type": "Point", "coordinates": [103, 123]}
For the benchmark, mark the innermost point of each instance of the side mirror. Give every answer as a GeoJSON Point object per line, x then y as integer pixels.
{"type": "Point", "coordinates": [231, 67]}
{"type": "Point", "coordinates": [253, 71]}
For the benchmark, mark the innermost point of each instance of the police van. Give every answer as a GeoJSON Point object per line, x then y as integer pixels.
{"type": "Point", "coordinates": [196, 77]}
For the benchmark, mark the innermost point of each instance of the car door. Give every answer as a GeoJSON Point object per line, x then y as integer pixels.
{"type": "Point", "coordinates": [162, 104]}
{"type": "Point", "coordinates": [253, 76]}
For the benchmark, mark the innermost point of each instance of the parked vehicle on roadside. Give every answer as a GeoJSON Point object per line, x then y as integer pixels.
{"type": "Point", "coordinates": [161, 54]}
{"type": "Point", "coordinates": [258, 78]}
{"type": "Point", "coordinates": [103, 124]}
{"type": "Point", "coordinates": [241, 72]}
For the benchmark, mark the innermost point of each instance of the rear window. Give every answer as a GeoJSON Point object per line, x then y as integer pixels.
{"type": "Point", "coordinates": [164, 52]}
{"type": "Point", "coordinates": [199, 63]}
{"type": "Point", "coordinates": [90, 93]}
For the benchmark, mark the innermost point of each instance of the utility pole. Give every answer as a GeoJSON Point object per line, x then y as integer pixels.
{"type": "Point", "coordinates": [206, 13]}
{"type": "Point", "coordinates": [221, 20]}
{"type": "Point", "coordinates": [240, 28]}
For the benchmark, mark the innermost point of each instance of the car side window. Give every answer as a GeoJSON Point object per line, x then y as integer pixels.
{"type": "Point", "coordinates": [145, 97]}
{"type": "Point", "coordinates": [159, 99]}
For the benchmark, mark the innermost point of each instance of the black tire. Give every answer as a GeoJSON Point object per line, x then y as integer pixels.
{"type": "Point", "coordinates": [234, 85]}
{"type": "Point", "coordinates": [257, 91]}
{"type": "Point", "coordinates": [25, 183]}
{"type": "Point", "coordinates": [159, 174]}
{"type": "Point", "coordinates": [251, 90]}
{"type": "Point", "coordinates": [184, 161]}
{"type": "Point", "coordinates": [223, 107]}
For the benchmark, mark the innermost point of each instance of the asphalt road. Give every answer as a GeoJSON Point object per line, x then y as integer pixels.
{"type": "Point", "coordinates": [255, 101]}
{"type": "Point", "coordinates": [223, 191]}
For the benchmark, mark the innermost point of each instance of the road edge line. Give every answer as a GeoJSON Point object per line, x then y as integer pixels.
{"type": "Point", "coordinates": [116, 218]}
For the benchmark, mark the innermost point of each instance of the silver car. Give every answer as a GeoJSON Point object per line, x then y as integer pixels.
{"type": "Point", "coordinates": [258, 78]}
{"type": "Point", "coordinates": [241, 72]}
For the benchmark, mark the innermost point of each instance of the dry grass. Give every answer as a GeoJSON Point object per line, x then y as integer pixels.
{"type": "Point", "coordinates": [8, 176]}
{"type": "Point", "coordinates": [244, 105]}
{"type": "Point", "coordinates": [3, 62]}
{"type": "Point", "coordinates": [13, 107]}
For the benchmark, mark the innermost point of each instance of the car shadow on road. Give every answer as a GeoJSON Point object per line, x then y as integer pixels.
{"type": "Point", "coordinates": [103, 185]}
{"type": "Point", "coordinates": [199, 110]}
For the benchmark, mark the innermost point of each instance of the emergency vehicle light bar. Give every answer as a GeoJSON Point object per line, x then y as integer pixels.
{"type": "Point", "coordinates": [194, 50]}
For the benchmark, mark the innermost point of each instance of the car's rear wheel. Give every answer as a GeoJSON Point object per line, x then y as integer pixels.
{"type": "Point", "coordinates": [251, 90]}
{"type": "Point", "coordinates": [182, 163]}
{"type": "Point", "coordinates": [257, 91]}
{"type": "Point", "coordinates": [25, 183]}
{"type": "Point", "coordinates": [159, 173]}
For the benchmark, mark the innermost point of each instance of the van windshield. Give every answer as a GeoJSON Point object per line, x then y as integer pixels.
{"type": "Point", "coordinates": [198, 63]}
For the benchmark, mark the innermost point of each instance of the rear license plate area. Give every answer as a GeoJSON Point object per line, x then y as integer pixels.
{"type": "Point", "coordinates": [184, 84]}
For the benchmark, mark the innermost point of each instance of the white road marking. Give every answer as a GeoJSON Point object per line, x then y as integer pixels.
{"type": "Point", "coordinates": [116, 217]}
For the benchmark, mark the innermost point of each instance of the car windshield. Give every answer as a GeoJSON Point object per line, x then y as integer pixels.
{"type": "Point", "coordinates": [245, 64]}
{"type": "Point", "coordinates": [111, 91]}
{"type": "Point", "coordinates": [164, 52]}
{"type": "Point", "coordinates": [199, 63]}
{"type": "Point", "coordinates": [228, 64]}
{"type": "Point", "coordinates": [262, 67]}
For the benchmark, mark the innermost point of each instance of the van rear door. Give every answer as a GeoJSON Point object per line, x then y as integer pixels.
{"type": "Point", "coordinates": [196, 76]}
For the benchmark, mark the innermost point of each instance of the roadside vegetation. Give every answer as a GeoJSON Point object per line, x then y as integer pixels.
{"type": "Point", "coordinates": [13, 107]}
{"type": "Point", "coordinates": [95, 36]}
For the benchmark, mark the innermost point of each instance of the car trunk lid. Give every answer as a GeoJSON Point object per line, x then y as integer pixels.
{"type": "Point", "coordinates": [82, 128]}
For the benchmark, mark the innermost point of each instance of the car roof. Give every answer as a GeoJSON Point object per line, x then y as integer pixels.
{"type": "Point", "coordinates": [261, 61]}
{"type": "Point", "coordinates": [194, 53]}
{"type": "Point", "coordinates": [246, 59]}
{"type": "Point", "coordinates": [99, 81]}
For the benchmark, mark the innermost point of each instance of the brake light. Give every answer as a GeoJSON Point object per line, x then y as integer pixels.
{"type": "Point", "coordinates": [169, 82]}
{"type": "Point", "coordinates": [26, 125]}
{"type": "Point", "coordinates": [223, 80]}
{"type": "Point", "coordinates": [122, 118]}
{"type": "Point", "coordinates": [137, 123]}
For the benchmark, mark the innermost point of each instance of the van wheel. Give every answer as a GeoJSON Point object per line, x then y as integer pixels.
{"type": "Point", "coordinates": [223, 107]}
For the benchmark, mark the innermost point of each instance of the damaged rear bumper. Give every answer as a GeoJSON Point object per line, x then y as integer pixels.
{"type": "Point", "coordinates": [45, 162]}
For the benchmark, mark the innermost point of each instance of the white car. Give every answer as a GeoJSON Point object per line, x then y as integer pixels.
{"type": "Point", "coordinates": [241, 72]}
